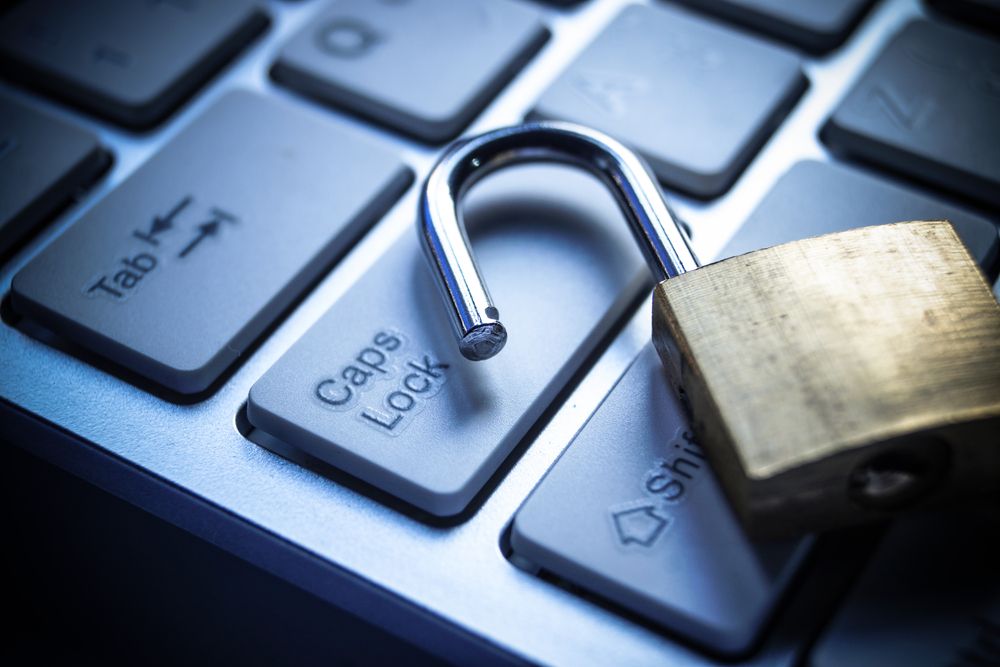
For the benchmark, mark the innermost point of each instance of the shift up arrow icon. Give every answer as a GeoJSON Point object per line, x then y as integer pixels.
{"type": "Point", "coordinates": [639, 525]}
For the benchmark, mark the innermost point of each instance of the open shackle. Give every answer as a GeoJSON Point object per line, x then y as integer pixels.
{"type": "Point", "coordinates": [446, 244]}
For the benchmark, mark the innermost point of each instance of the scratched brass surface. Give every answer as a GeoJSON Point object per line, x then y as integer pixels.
{"type": "Point", "coordinates": [804, 362]}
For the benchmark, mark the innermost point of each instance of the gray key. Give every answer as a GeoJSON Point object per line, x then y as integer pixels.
{"type": "Point", "coordinates": [674, 87]}
{"type": "Point", "coordinates": [425, 67]}
{"type": "Point", "coordinates": [928, 107]}
{"type": "Point", "coordinates": [815, 25]}
{"type": "Point", "coordinates": [177, 271]}
{"type": "Point", "coordinates": [930, 596]}
{"type": "Point", "coordinates": [632, 512]}
{"type": "Point", "coordinates": [128, 60]}
{"type": "Point", "coordinates": [378, 387]}
{"type": "Point", "coordinates": [815, 198]}
{"type": "Point", "coordinates": [43, 162]}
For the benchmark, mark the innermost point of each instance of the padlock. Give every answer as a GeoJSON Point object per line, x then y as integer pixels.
{"type": "Point", "coordinates": [830, 381]}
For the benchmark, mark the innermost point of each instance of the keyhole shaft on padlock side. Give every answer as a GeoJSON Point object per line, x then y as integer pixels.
{"type": "Point", "coordinates": [442, 231]}
{"type": "Point", "coordinates": [900, 477]}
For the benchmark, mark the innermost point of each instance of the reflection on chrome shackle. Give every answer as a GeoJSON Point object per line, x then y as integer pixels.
{"type": "Point", "coordinates": [476, 320]}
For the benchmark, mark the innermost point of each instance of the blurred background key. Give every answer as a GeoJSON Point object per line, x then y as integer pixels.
{"type": "Point", "coordinates": [424, 67]}
{"type": "Point", "coordinates": [928, 107]}
{"type": "Point", "coordinates": [130, 61]}
{"type": "Point", "coordinates": [814, 25]}
{"type": "Point", "coordinates": [43, 161]}
{"type": "Point", "coordinates": [656, 70]}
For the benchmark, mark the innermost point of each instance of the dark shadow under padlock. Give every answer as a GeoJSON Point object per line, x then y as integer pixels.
{"type": "Point", "coordinates": [831, 381]}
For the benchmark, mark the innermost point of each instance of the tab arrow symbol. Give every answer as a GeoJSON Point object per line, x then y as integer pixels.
{"type": "Point", "coordinates": [161, 223]}
{"type": "Point", "coordinates": [640, 525]}
{"type": "Point", "coordinates": [165, 222]}
{"type": "Point", "coordinates": [205, 229]}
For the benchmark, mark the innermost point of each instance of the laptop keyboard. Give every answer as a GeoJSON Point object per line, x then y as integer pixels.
{"type": "Point", "coordinates": [237, 305]}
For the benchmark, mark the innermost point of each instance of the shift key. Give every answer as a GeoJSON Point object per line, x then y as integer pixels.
{"type": "Point", "coordinates": [651, 530]}
{"type": "Point", "coordinates": [378, 387]}
{"type": "Point", "coordinates": [176, 272]}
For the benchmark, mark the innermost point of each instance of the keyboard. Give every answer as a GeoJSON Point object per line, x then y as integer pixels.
{"type": "Point", "coordinates": [214, 303]}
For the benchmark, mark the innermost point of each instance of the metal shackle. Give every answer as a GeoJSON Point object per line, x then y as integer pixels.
{"type": "Point", "coordinates": [446, 244]}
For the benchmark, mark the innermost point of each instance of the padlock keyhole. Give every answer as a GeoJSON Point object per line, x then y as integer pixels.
{"type": "Point", "coordinates": [897, 478]}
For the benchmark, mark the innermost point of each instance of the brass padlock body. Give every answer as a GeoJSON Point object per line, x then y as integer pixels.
{"type": "Point", "coordinates": [840, 378]}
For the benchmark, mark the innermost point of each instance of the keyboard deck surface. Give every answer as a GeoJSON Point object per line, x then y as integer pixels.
{"type": "Point", "coordinates": [448, 567]}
